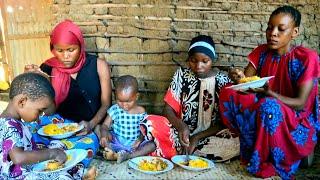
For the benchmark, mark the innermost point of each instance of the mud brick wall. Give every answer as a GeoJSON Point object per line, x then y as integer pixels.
{"type": "Point", "coordinates": [149, 38]}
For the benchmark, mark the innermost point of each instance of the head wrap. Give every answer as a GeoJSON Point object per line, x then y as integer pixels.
{"type": "Point", "coordinates": [65, 32]}
{"type": "Point", "coordinates": [203, 44]}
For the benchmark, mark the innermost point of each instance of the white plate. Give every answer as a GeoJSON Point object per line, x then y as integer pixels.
{"type": "Point", "coordinates": [62, 136]}
{"type": "Point", "coordinates": [181, 158]}
{"type": "Point", "coordinates": [252, 84]}
{"type": "Point", "coordinates": [133, 163]}
{"type": "Point", "coordinates": [77, 155]}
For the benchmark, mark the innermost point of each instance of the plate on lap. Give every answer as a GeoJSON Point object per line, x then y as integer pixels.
{"type": "Point", "coordinates": [74, 156]}
{"type": "Point", "coordinates": [150, 164]}
{"type": "Point", "coordinates": [252, 84]}
{"type": "Point", "coordinates": [60, 130]}
{"type": "Point", "coordinates": [196, 163]}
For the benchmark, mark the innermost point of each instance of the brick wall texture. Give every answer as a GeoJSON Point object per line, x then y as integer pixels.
{"type": "Point", "coordinates": [148, 38]}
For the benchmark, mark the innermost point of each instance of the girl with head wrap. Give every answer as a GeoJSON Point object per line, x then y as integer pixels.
{"type": "Point", "coordinates": [82, 86]}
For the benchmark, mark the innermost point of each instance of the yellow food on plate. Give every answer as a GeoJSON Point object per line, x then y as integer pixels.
{"type": "Point", "coordinates": [198, 163]}
{"type": "Point", "coordinates": [54, 165]}
{"type": "Point", "coordinates": [54, 129]}
{"type": "Point", "coordinates": [249, 79]}
{"type": "Point", "coordinates": [70, 128]}
{"type": "Point", "coordinates": [155, 164]}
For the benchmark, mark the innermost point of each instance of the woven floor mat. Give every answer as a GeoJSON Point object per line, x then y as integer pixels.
{"type": "Point", "coordinates": [231, 170]}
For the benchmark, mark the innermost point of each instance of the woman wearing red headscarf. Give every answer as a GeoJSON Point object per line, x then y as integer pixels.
{"type": "Point", "coordinates": [82, 86]}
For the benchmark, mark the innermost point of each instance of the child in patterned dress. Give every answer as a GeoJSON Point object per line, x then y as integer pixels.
{"type": "Point", "coordinates": [30, 94]}
{"type": "Point", "coordinates": [120, 134]}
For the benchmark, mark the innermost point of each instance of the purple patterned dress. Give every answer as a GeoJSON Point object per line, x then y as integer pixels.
{"type": "Point", "coordinates": [13, 133]}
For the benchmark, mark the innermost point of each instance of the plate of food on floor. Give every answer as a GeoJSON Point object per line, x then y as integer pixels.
{"type": "Point", "coordinates": [193, 163]}
{"type": "Point", "coordinates": [150, 164]}
{"type": "Point", "coordinates": [60, 130]}
{"type": "Point", "coordinates": [250, 82]}
{"type": "Point", "coordinates": [74, 156]}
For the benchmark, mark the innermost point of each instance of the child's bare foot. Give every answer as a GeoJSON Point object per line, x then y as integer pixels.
{"type": "Point", "coordinates": [91, 174]}
{"type": "Point", "coordinates": [110, 155]}
{"type": "Point", "coordinates": [122, 156]}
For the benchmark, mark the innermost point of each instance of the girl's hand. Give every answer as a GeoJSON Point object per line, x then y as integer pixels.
{"type": "Point", "coordinates": [193, 144]}
{"type": "Point", "coordinates": [86, 129]}
{"type": "Point", "coordinates": [184, 134]}
{"type": "Point", "coordinates": [58, 155]}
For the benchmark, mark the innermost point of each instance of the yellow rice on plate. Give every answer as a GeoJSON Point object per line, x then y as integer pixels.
{"type": "Point", "coordinates": [54, 165]}
{"type": "Point", "coordinates": [155, 164]}
{"type": "Point", "coordinates": [249, 79]}
{"type": "Point", "coordinates": [54, 129]}
{"type": "Point", "coordinates": [198, 163]}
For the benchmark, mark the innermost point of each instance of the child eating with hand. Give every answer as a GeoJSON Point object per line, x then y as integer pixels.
{"type": "Point", "coordinates": [30, 95]}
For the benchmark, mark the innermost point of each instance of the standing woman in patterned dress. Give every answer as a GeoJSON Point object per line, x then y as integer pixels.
{"type": "Point", "coordinates": [278, 123]}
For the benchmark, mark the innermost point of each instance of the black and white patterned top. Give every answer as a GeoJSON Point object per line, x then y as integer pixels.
{"type": "Point", "coordinates": [185, 87]}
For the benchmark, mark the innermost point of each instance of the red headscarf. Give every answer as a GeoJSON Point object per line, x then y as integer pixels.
{"type": "Point", "coordinates": [65, 32]}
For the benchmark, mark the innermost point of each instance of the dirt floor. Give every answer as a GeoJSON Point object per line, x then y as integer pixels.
{"type": "Point", "coordinates": [312, 172]}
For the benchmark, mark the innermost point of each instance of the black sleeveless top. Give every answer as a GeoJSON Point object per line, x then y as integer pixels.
{"type": "Point", "coordinates": [84, 97]}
